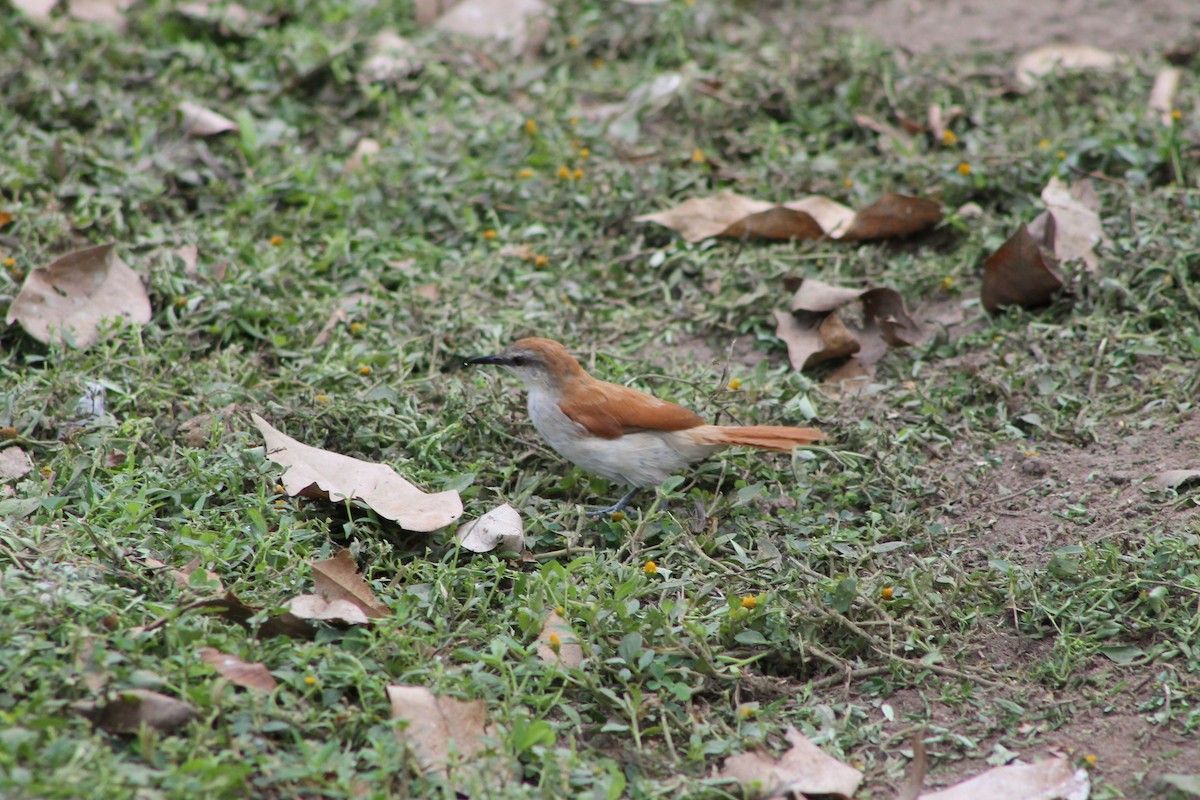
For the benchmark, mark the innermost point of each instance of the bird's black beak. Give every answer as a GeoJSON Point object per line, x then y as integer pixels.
{"type": "Point", "coordinates": [498, 360]}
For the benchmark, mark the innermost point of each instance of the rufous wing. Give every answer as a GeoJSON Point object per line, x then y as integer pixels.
{"type": "Point", "coordinates": [609, 410]}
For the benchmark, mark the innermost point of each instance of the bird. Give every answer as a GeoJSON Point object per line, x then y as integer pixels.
{"type": "Point", "coordinates": [618, 432]}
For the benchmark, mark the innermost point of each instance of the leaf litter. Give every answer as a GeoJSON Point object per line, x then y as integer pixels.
{"type": "Point", "coordinates": [250, 675]}
{"type": "Point", "coordinates": [804, 769]}
{"type": "Point", "coordinates": [312, 472]}
{"type": "Point", "coordinates": [439, 727]}
{"type": "Point", "coordinates": [733, 216]}
{"type": "Point", "coordinates": [1050, 779]}
{"type": "Point", "coordinates": [558, 643]}
{"type": "Point", "coordinates": [128, 710]}
{"type": "Point", "coordinates": [69, 299]}
{"type": "Point", "coordinates": [500, 529]}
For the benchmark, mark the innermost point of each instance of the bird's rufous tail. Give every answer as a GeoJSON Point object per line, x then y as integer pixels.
{"type": "Point", "coordinates": [765, 437]}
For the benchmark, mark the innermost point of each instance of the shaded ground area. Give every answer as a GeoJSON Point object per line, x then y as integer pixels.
{"type": "Point", "coordinates": [961, 25]}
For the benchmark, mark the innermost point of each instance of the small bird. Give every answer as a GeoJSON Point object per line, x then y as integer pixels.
{"type": "Point", "coordinates": [620, 433]}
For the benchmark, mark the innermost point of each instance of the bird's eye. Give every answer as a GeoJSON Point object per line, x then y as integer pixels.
{"type": "Point", "coordinates": [519, 361]}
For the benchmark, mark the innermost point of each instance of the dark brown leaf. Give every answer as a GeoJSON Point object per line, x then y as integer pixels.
{"type": "Point", "coordinates": [252, 676]}
{"type": "Point", "coordinates": [127, 711]}
{"type": "Point", "coordinates": [1020, 273]}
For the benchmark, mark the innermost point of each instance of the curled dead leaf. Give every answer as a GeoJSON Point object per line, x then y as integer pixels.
{"type": "Point", "coordinates": [68, 299]}
{"type": "Point", "coordinates": [1052, 779]}
{"type": "Point", "coordinates": [337, 578]}
{"type": "Point", "coordinates": [802, 769]}
{"type": "Point", "coordinates": [558, 644]}
{"type": "Point", "coordinates": [313, 472]}
{"type": "Point", "coordinates": [1076, 229]}
{"type": "Point", "coordinates": [1177, 478]}
{"type": "Point", "coordinates": [201, 121]}
{"type": "Point", "coordinates": [104, 12]}
{"type": "Point", "coordinates": [730, 215]}
{"type": "Point", "coordinates": [499, 529]}
{"type": "Point", "coordinates": [36, 10]}
{"type": "Point", "coordinates": [316, 607]}
{"type": "Point", "coordinates": [1162, 94]}
{"type": "Point", "coordinates": [233, 609]}
{"type": "Point", "coordinates": [1020, 273]}
{"type": "Point", "coordinates": [14, 462]}
{"type": "Point", "coordinates": [128, 710]}
{"type": "Point", "coordinates": [523, 24]}
{"type": "Point", "coordinates": [183, 576]}
{"type": "Point", "coordinates": [438, 726]}
{"type": "Point", "coordinates": [252, 676]}
{"type": "Point", "coordinates": [1034, 65]}
{"type": "Point", "coordinates": [363, 155]}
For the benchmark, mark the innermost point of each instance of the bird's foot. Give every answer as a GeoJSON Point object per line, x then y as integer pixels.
{"type": "Point", "coordinates": [619, 506]}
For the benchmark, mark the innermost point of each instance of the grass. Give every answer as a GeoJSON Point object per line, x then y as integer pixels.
{"type": "Point", "coordinates": [990, 640]}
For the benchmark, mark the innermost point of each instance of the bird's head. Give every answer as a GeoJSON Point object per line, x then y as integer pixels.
{"type": "Point", "coordinates": [540, 363]}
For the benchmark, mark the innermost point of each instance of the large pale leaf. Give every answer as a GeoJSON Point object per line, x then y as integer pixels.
{"type": "Point", "coordinates": [803, 769]}
{"type": "Point", "coordinates": [558, 643]}
{"type": "Point", "coordinates": [438, 726]}
{"type": "Point", "coordinates": [68, 299]}
{"type": "Point", "coordinates": [313, 472]}
{"type": "Point", "coordinates": [252, 676]}
{"type": "Point", "coordinates": [1052, 779]}
{"type": "Point", "coordinates": [1020, 273]}
{"type": "Point", "coordinates": [337, 578]}
{"type": "Point", "coordinates": [731, 215]}
{"type": "Point", "coordinates": [1076, 230]}
{"type": "Point", "coordinates": [14, 462]}
{"type": "Point", "coordinates": [127, 711]}
{"type": "Point", "coordinates": [1033, 66]}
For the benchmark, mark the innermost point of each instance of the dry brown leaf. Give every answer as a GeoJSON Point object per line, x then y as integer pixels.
{"type": "Point", "coordinates": [429, 291]}
{"type": "Point", "coordinates": [69, 298]}
{"type": "Point", "coordinates": [316, 607]}
{"type": "Point", "coordinates": [14, 462]}
{"type": "Point", "coordinates": [730, 215]}
{"type": "Point", "coordinates": [390, 57]}
{"type": "Point", "coordinates": [188, 254]}
{"type": "Point", "coordinates": [252, 676]}
{"type": "Point", "coordinates": [438, 726]}
{"type": "Point", "coordinates": [233, 609]}
{"type": "Point", "coordinates": [105, 12]}
{"type": "Point", "coordinates": [829, 322]}
{"type": "Point", "coordinates": [364, 153]}
{"type": "Point", "coordinates": [1052, 779]}
{"type": "Point", "coordinates": [1035, 64]}
{"type": "Point", "coordinates": [1176, 478]}
{"type": "Point", "coordinates": [427, 11]}
{"type": "Point", "coordinates": [129, 710]}
{"type": "Point", "coordinates": [337, 578]}
{"type": "Point", "coordinates": [1162, 95]}
{"type": "Point", "coordinates": [313, 472]}
{"type": "Point", "coordinates": [891, 137]}
{"type": "Point", "coordinates": [558, 644]}
{"type": "Point", "coordinates": [803, 769]}
{"type": "Point", "coordinates": [521, 23]}
{"type": "Point", "coordinates": [1020, 273]}
{"type": "Point", "coordinates": [1076, 228]}
{"type": "Point", "coordinates": [499, 529]}
{"type": "Point", "coordinates": [200, 121]}
{"type": "Point", "coordinates": [37, 10]}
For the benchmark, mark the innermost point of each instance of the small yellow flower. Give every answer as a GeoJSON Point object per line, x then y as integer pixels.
{"type": "Point", "coordinates": [651, 568]}
{"type": "Point", "coordinates": [948, 138]}
{"type": "Point", "coordinates": [541, 261]}
{"type": "Point", "coordinates": [887, 593]}
{"type": "Point", "coordinates": [10, 262]}
{"type": "Point", "coordinates": [698, 156]}
{"type": "Point", "coordinates": [279, 489]}
{"type": "Point", "coordinates": [365, 369]}
{"type": "Point", "coordinates": [746, 710]}
{"type": "Point", "coordinates": [734, 384]}
{"type": "Point", "coordinates": [1032, 453]}
{"type": "Point", "coordinates": [555, 642]}
{"type": "Point", "coordinates": [310, 680]}
{"type": "Point", "coordinates": [573, 121]}
{"type": "Point", "coordinates": [489, 234]}
{"type": "Point", "coordinates": [598, 63]}
{"type": "Point", "coordinates": [573, 42]}
{"type": "Point", "coordinates": [577, 174]}
{"type": "Point", "coordinates": [1090, 760]}
{"type": "Point", "coordinates": [1044, 144]}
{"type": "Point", "coordinates": [1060, 155]}
{"type": "Point", "coordinates": [356, 328]}
{"type": "Point", "coordinates": [276, 240]}
{"type": "Point", "coordinates": [8, 432]}
{"type": "Point", "coordinates": [749, 602]}
{"type": "Point", "coordinates": [564, 173]}
{"type": "Point", "coordinates": [531, 127]}
{"type": "Point", "coordinates": [584, 152]}
{"type": "Point", "coordinates": [47, 472]}
{"type": "Point", "coordinates": [964, 168]}
{"type": "Point", "coordinates": [947, 283]}
{"type": "Point", "coordinates": [525, 174]}
{"type": "Point", "coordinates": [323, 399]}
{"type": "Point", "coordinates": [1176, 114]}
{"type": "Point", "coordinates": [618, 516]}
{"type": "Point", "coordinates": [560, 610]}
{"type": "Point", "coordinates": [848, 183]}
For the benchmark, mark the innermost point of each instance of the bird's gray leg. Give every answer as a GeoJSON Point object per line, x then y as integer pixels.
{"type": "Point", "coordinates": [617, 506]}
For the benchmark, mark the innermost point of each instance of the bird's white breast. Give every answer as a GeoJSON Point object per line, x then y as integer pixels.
{"type": "Point", "coordinates": [645, 458]}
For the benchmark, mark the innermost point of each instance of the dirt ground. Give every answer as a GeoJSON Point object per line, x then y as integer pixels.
{"type": "Point", "coordinates": [1016, 25]}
